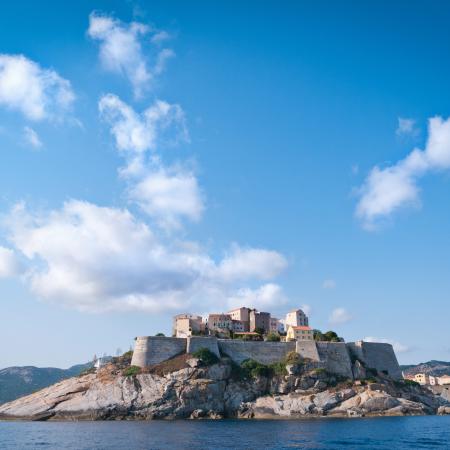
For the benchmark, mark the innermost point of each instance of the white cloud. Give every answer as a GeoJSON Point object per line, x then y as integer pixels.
{"type": "Point", "coordinates": [98, 259]}
{"type": "Point", "coordinates": [31, 137]}
{"type": "Point", "coordinates": [244, 263]}
{"type": "Point", "coordinates": [263, 298]}
{"type": "Point", "coordinates": [329, 284]}
{"type": "Point", "coordinates": [339, 316]}
{"type": "Point", "coordinates": [36, 92]}
{"type": "Point", "coordinates": [160, 124]}
{"type": "Point", "coordinates": [387, 190]}
{"type": "Point", "coordinates": [168, 195]}
{"type": "Point", "coordinates": [10, 265]}
{"type": "Point", "coordinates": [161, 61]}
{"type": "Point", "coordinates": [121, 50]}
{"type": "Point", "coordinates": [307, 309]}
{"type": "Point", "coordinates": [406, 127]}
{"type": "Point", "coordinates": [398, 348]}
{"type": "Point", "coordinates": [160, 37]}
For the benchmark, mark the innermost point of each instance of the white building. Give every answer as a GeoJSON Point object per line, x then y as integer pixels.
{"type": "Point", "coordinates": [296, 318]}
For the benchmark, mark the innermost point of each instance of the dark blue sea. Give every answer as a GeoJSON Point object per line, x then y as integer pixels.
{"type": "Point", "coordinates": [431, 432]}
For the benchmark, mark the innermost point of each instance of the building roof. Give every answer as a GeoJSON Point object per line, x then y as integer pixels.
{"type": "Point", "coordinates": [301, 328]}
{"type": "Point", "coordinates": [238, 309]}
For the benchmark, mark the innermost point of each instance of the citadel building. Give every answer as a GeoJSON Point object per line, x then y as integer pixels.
{"type": "Point", "coordinates": [192, 332]}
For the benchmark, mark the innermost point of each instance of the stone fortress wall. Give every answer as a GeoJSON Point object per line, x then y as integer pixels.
{"type": "Point", "coordinates": [261, 351]}
{"type": "Point", "coordinates": [336, 357]}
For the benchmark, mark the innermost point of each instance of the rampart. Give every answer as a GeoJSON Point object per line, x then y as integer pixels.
{"type": "Point", "coordinates": [262, 351]}
{"type": "Point", "coordinates": [335, 357]}
{"type": "Point", "coordinates": [150, 350]}
{"type": "Point", "coordinates": [196, 342]}
{"type": "Point", "coordinates": [379, 356]}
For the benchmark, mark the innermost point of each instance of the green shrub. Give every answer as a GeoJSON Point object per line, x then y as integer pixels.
{"type": "Point", "coordinates": [320, 371]}
{"type": "Point", "coordinates": [411, 383]}
{"type": "Point", "coordinates": [273, 337]}
{"type": "Point", "coordinates": [278, 368]}
{"type": "Point", "coordinates": [131, 371]}
{"type": "Point", "coordinates": [206, 356]}
{"type": "Point", "coordinates": [128, 354]}
{"type": "Point", "coordinates": [293, 358]}
{"type": "Point", "coordinates": [255, 369]}
{"type": "Point", "coordinates": [160, 335]}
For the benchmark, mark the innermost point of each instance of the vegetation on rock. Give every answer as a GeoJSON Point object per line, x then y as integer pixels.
{"type": "Point", "coordinates": [131, 371]}
{"type": "Point", "coordinates": [206, 356]}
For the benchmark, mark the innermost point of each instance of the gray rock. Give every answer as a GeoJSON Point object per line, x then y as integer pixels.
{"type": "Point", "coordinates": [194, 362]}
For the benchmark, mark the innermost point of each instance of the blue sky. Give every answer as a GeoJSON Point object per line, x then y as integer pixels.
{"type": "Point", "coordinates": [159, 157]}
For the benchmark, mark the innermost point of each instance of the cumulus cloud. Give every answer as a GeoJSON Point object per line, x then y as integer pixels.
{"type": "Point", "coordinates": [99, 258]}
{"type": "Point", "coordinates": [161, 60]}
{"type": "Point", "coordinates": [406, 127]}
{"type": "Point", "coordinates": [10, 264]}
{"type": "Point", "coordinates": [339, 316]}
{"type": "Point", "coordinates": [307, 309]}
{"type": "Point", "coordinates": [168, 194]}
{"type": "Point", "coordinates": [398, 347]}
{"type": "Point", "coordinates": [389, 189]}
{"type": "Point", "coordinates": [31, 137]}
{"type": "Point", "coordinates": [121, 50]}
{"type": "Point", "coordinates": [36, 92]}
{"type": "Point", "coordinates": [329, 284]}
{"type": "Point", "coordinates": [263, 298]}
{"type": "Point", "coordinates": [160, 124]}
{"type": "Point", "coordinates": [242, 263]}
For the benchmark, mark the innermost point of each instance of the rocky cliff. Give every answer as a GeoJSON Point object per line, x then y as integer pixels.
{"type": "Point", "coordinates": [186, 387]}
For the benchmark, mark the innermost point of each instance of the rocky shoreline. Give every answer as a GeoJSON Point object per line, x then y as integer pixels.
{"type": "Point", "coordinates": [187, 388]}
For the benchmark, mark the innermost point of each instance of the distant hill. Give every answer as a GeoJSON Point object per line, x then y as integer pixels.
{"type": "Point", "coordinates": [435, 368]}
{"type": "Point", "coordinates": [18, 381]}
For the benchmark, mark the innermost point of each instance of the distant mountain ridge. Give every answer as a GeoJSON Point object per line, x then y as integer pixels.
{"type": "Point", "coordinates": [433, 367]}
{"type": "Point", "coordinates": [16, 382]}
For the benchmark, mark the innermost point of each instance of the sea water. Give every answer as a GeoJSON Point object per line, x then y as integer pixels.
{"type": "Point", "coordinates": [429, 432]}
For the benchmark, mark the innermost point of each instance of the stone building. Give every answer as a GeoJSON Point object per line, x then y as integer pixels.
{"type": "Point", "coordinates": [276, 325]}
{"type": "Point", "coordinates": [185, 325]}
{"type": "Point", "coordinates": [259, 320]}
{"type": "Point", "coordinates": [296, 318]}
{"type": "Point", "coordinates": [220, 322]}
{"type": "Point", "coordinates": [239, 326]}
{"type": "Point", "coordinates": [241, 314]}
{"type": "Point", "coordinates": [301, 333]}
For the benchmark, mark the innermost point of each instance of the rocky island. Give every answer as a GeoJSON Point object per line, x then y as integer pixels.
{"type": "Point", "coordinates": [202, 385]}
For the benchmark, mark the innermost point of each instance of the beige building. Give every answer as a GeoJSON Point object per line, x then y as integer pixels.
{"type": "Point", "coordinates": [296, 318]}
{"type": "Point", "coordinates": [241, 315]}
{"type": "Point", "coordinates": [300, 333]}
{"type": "Point", "coordinates": [422, 378]}
{"type": "Point", "coordinates": [185, 325]}
{"type": "Point", "coordinates": [220, 322]}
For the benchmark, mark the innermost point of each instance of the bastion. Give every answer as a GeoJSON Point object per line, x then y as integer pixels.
{"type": "Point", "coordinates": [336, 357]}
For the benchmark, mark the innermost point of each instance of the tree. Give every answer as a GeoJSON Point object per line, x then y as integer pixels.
{"type": "Point", "coordinates": [259, 330]}
{"type": "Point", "coordinates": [273, 337]}
{"type": "Point", "coordinates": [160, 334]}
{"type": "Point", "coordinates": [318, 336]}
{"type": "Point", "coordinates": [329, 336]}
